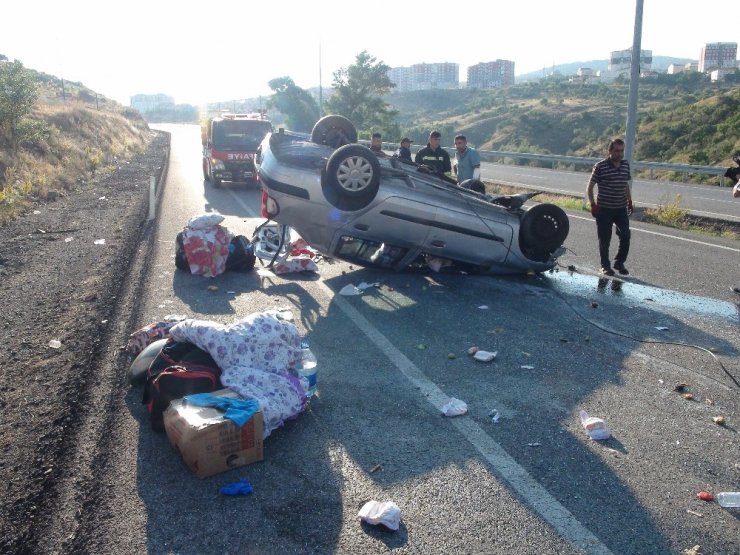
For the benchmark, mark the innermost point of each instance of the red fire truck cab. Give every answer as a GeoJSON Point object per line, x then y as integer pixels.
{"type": "Point", "coordinates": [230, 143]}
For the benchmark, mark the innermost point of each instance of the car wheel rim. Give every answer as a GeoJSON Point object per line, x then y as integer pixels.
{"type": "Point", "coordinates": [355, 174]}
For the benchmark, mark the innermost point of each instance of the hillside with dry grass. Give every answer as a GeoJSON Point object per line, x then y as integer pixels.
{"type": "Point", "coordinates": [70, 136]}
{"type": "Point", "coordinates": [681, 118]}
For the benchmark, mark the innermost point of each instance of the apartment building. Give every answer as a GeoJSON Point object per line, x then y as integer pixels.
{"type": "Point", "coordinates": [491, 75]}
{"type": "Point", "coordinates": [621, 60]}
{"type": "Point", "coordinates": [401, 77]}
{"type": "Point", "coordinates": [426, 76]}
{"type": "Point", "coordinates": [718, 55]}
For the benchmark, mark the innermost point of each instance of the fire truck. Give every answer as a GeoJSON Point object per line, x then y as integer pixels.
{"type": "Point", "coordinates": [230, 143]}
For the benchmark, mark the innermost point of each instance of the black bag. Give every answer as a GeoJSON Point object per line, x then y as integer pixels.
{"type": "Point", "coordinates": [181, 261]}
{"type": "Point", "coordinates": [181, 353]}
{"type": "Point", "coordinates": [175, 382]}
{"type": "Point", "coordinates": [179, 369]}
{"type": "Point", "coordinates": [241, 255]}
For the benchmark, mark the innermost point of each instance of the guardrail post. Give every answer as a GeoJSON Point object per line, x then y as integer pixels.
{"type": "Point", "coordinates": [152, 197]}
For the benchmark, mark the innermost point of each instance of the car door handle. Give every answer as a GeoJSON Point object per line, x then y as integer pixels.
{"type": "Point", "coordinates": [438, 243]}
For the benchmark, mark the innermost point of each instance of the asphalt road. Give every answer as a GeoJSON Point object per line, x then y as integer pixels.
{"type": "Point", "coordinates": [702, 200]}
{"type": "Point", "coordinates": [532, 482]}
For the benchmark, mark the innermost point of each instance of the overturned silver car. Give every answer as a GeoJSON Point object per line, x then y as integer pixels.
{"type": "Point", "coordinates": [351, 204]}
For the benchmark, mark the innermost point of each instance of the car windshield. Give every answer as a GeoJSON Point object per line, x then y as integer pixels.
{"type": "Point", "coordinates": [240, 133]}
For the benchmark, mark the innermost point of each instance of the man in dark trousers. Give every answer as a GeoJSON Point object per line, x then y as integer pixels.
{"type": "Point", "coordinates": [434, 156]}
{"type": "Point", "coordinates": [733, 174]}
{"type": "Point", "coordinates": [613, 205]}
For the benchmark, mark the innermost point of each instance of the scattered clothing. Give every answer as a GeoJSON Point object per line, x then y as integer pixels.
{"type": "Point", "coordinates": [239, 411]}
{"type": "Point", "coordinates": [259, 357]}
{"type": "Point", "coordinates": [242, 487]}
{"type": "Point", "coordinates": [147, 335]}
{"type": "Point", "coordinates": [206, 244]}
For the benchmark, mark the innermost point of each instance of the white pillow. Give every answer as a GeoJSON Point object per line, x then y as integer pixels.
{"type": "Point", "coordinates": [204, 221]}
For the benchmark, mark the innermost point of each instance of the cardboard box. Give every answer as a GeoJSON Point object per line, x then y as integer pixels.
{"type": "Point", "coordinates": [210, 443]}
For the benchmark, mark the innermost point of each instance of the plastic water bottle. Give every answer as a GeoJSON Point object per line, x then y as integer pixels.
{"type": "Point", "coordinates": [308, 368]}
{"type": "Point", "coordinates": [729, 499]}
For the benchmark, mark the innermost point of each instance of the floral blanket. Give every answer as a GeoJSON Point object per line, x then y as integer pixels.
{"type": "Point", "coordinates": [206, 244]}
{"type": "Point", "coordinates": [258, 356]}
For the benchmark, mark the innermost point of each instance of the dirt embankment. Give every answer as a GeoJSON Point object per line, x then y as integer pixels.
{"type": "Point", "coordinates": [62, 267]}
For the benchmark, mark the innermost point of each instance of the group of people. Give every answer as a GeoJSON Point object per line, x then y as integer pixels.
{"type": "Point", "coordinates": [466, 162]}
{"type": "Point", "coordinates": [608, 191]}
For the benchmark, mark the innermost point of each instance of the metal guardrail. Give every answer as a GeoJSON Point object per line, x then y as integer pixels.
{"type": "Point", "coordinates": [684, 169]}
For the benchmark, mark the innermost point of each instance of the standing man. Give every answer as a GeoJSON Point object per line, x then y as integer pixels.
{"type": "Point", "coordinates": [376, 143]}
{"type": "Point", "coordinates": [434, 156]}
{"type": "Point", "coordinates": [404, 151]}
{"type": "Point", "coordinates": [467, 160]}
{"type": "Point", "coordinates": [613, 205]}
{"type": "Point", "coordinates": [733, 174]}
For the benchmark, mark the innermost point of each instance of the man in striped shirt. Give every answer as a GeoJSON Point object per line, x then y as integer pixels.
{"type": "Point", "coordinates": [613, 205]}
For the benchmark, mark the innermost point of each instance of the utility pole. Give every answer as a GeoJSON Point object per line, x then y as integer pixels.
{"type": "Point", "coordinates": [634, 82]}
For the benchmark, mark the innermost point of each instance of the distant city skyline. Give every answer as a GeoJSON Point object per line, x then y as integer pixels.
{"type": "Point", "coordinates": [200, 55]}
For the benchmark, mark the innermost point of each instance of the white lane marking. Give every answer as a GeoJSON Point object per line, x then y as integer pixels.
{"type": "Point", "coordinates": [533, 493]}
{"type": "Point", "coordinates": [717, 215]}
{"type": "Point", "coordinates": [251, 213]}
{"type": "Point", "coordinates": [570, 192]}
{"type": "Point", "coordinates": [632, 227]}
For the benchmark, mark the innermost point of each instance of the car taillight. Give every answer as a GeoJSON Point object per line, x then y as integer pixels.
{"type": "Point", "coordinates": [270, 206]}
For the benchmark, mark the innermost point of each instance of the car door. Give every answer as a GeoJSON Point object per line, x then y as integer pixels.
{"type": "Point", "coordinates": [468, 231]}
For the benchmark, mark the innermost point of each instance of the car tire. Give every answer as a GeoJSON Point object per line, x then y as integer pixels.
{"type": "Point", "coordinates": [544, 227]}
{"type": "Point", "coordinates": [334, 131]}
{"type": "Point", "coordinates": [216, 182]}
{"type": "Point", "coordinates": [353, 172]}
{"type": "Point", "coordinates": [205, 169]}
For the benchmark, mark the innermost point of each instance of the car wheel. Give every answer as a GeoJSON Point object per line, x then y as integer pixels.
{"type": "Point", "coordinates": [205, 169]}
{"type": "Point", "coordinates": [544, 227]}
{"type": "Point", "coordinates": [216, 181]}
{"type": "Point", "coordinates": [353, 171]}
{"type": "Point", "coordinates": [334, 131]}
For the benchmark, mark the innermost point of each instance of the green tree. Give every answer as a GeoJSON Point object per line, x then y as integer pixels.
{"type": "Point", "coordinates": [358, 94]}
{"type": "Point", "coordinates": [297, 105]}
{"type": "Point", "coordinates": [18, 94]}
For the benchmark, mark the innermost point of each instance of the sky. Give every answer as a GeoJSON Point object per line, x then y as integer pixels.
{"type": "Point", "coordinates": [230, 49]}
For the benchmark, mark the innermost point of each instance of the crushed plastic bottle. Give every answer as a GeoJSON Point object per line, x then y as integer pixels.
{"type": "Point", "coordinates": [308, 368]}
{"type": "Point", "coordinates": [729, 499]}
{"type": "Point", "coordinates": [595, 427]}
